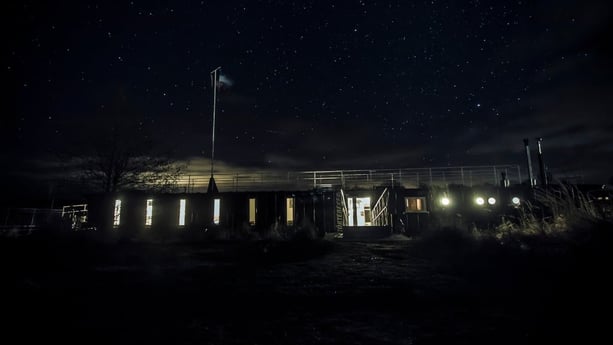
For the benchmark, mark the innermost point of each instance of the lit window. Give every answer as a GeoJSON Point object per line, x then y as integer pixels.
{"type": "Point", "coordinates": [149, 214]}
{"type": "Point", "coordinates": [117, 213]}
{"type": "Point", "coordinates": [252, 211]}
{"type": "Point", "coordinates": [216, 206]}
{"type": "Point", "coordinates": [182, 212]}
{"type": "Point", "coordinates": [289, 203]}
{"type": "Point", "coordinates": [415, 204]}
{"type": "Point", "coordinates": [350, 211]}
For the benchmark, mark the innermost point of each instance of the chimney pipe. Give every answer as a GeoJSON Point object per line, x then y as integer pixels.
{"type": "Point", "coordinates": [504, 182]}
{"type": "Point", "coordinates": [544, 181]}
{"type": "Point", "coordinates": [530, 175]}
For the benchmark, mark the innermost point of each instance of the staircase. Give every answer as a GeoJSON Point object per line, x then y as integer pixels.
{"type": "Point", "coordinates": [380, 227]}
{"type": "Point", "coordinates": [341, 211]}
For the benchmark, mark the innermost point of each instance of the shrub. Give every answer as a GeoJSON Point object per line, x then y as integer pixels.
{"type": "Point", "coordinates": [305, 230]}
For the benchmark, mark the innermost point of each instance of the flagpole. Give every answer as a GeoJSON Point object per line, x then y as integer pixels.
{"type": "Point", "coordinates": [214, 73]}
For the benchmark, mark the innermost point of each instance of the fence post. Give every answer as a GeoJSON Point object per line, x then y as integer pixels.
{"type": "Point", "coordinates": [33, 215]}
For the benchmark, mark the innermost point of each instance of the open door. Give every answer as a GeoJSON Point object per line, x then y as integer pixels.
{"type": "Point", "coordinates": [358, 211]}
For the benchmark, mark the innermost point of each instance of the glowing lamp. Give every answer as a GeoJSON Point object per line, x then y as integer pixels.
{"type": "Point", "coordinates": [515, 201]}
{"type": "Point", "coordinates": [491, 200]}
{"type": "Point", "coordinates": [479, 201]}
{"type": "Point", "coordinates": [445, 201]}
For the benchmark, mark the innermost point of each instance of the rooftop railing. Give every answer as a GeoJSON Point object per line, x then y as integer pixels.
{"type": "Point", "coordinates": [347, 179]}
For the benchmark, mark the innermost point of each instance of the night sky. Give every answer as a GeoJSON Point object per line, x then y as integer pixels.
{"type": "Point", "coordinates": [316, 84]}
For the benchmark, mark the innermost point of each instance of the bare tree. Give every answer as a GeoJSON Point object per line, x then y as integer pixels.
{"type": "Point", "coordinates": [117, 170]}
{"type": "Point", "coordinates": [120, 163]}
{"type": "Point", "coordinates": [120, 155]}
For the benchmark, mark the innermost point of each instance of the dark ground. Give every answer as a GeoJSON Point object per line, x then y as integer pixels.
{"type": "Point", "coordinates": [445, 289]}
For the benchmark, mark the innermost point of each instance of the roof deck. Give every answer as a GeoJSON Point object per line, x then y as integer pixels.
{"type": "Point", "coordinates": [347, 179]}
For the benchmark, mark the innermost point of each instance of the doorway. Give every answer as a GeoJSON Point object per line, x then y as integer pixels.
{"type": "Point", "coordinates": [358, 211]}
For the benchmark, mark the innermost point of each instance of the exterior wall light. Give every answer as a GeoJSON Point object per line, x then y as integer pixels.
{"type": "Point", "coordinates": [445, 201]}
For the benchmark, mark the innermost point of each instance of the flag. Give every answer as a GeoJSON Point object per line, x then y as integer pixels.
{"type": "Point", "coordinates": [223, 81]}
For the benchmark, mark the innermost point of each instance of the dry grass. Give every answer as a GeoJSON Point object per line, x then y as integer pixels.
{"type": "Point", "coordinates": [560, 213]}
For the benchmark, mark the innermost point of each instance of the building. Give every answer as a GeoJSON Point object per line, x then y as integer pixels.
{"type": "Point", "coordinates": [355, 203]}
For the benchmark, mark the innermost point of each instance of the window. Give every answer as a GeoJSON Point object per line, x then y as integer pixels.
{"type": "Point", "coordinates": [252, 211]}
{"type": "Point", "coordinates": [216, 207]}
{"type": "Point", "coordinates": [149, 214]}
{"type": "Point", "coordinates": [182, 212]}
{"type": "Point", "coordinates": [350, 211]}
{"type": "Point", "coordinates": [117, 213]}
{"type": "Point", "coordinates": [415, 204]}
{"type": "Point", "coordinates": [289, 206]}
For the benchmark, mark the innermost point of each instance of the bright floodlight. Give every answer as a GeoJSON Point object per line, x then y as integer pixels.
{"type": "Point", "coordinates": [491, 200]}
{"type": "Point", "coordinates": [445, 201]}
{"type": "Point", "coordinates": [515, 200]}
{"type": "Point", "coordinates": [479, 201]}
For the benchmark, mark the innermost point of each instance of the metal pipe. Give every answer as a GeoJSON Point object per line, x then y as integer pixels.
{"type": "Point", "coordinates": [214, 76]}
{"type": "Point", "coordinates": [544, 181]}
{"type": "Point", "coordinates": [212, 188]}
{"type": "Point", "coordinates": [530, 175]}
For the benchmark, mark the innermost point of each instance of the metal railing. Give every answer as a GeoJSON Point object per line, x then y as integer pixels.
{"type": "Point", "coordinates": [380, 209]}
{"type": "Point", "coordinates": [25, 220]}
{"type": "Point", "coordinates": [305, 180]}
{"type": "Point", "coordinates": [345, 210]}
{"type": "Point", "coordinates": [77, 214]}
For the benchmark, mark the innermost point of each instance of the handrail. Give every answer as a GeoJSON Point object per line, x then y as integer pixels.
{"type": "Point", "coordinates": [381, 208]}
{"type": "Point", "coordinates": [231, 180]}
{"type": "Point", "coordinates": [345, 210]}
{"type": "Point", "coordinates": [381, 196]}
